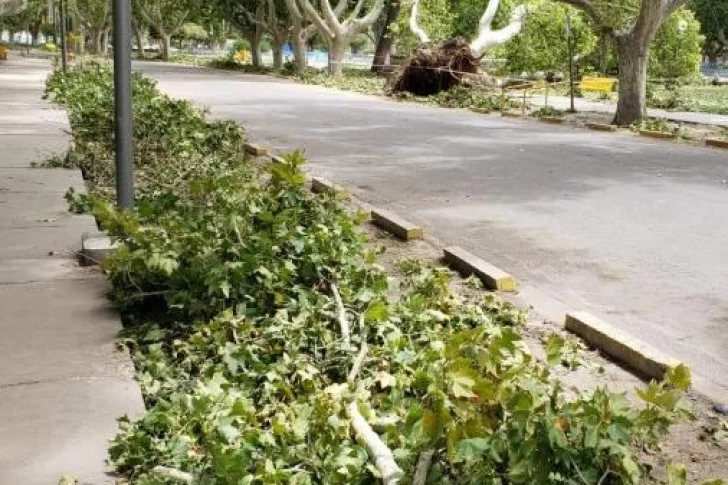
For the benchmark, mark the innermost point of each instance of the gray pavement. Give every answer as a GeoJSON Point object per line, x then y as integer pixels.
{"type": "Point", "coordinates": [587, 105]}
{"type": "Point", "coordinates": [632, 230]}
{"type": "Point", "coordinates": [63, 382]}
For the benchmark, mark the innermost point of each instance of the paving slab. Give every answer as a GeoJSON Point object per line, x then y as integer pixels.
{"type": "Point", "coordinates": [64, 381]}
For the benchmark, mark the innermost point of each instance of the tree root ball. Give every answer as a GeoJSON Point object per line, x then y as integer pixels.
{"type": "Point", "coordinates": [436, 67]}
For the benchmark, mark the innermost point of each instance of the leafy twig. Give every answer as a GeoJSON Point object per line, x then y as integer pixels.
{"type": "Point", "coordinates": [343, 322]}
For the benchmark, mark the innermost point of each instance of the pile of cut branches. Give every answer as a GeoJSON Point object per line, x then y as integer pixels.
{"type": "Point", "coordinates": [270, 350]}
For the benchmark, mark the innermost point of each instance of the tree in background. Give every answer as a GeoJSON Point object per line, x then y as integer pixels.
{"type": "Point", "coordinates": [95, 18]}
{"type": "Point", "coordinates": [542, 44]}
{"type": "Point", "coordinates": [713, 17]}
{"type": "Point", "coordinates": [675, 52]}
{"type": "Point", "coordinates": [340, 25]}
{"type": "Point", "coordinates": [384, 35]}
{"type": "Point", "coordinates": [632, 25]}
{"type": "Point", "coordinates": [166, 17]}
{"type": "Point", "coordinates": [248, 17]}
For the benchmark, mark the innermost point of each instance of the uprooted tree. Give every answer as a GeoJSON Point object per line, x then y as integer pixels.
{"type": "Point", "coordinates": [436, 67]}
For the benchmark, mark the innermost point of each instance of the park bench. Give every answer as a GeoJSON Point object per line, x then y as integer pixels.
{"type": "Point", "coordinates": [601, 84]}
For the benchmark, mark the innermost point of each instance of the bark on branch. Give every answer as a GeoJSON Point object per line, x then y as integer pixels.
{"type": "Point", "coordinates": [423, 467]}
{"type": "Point", "coordinates": [415, 25]}
{"type": "Point", "coordinates": [383, 457]}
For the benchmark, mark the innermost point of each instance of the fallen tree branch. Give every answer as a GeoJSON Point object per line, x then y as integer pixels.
{"type": "Point", "coordinates": [343, 322]}
{"type": "Point", "coordinates": [356, 366]}
{"type": "Point", "coordinates": [173, 474]}
{"type": "Point", "coordinates": [423, 467]}
{"type": "Point", "coordinates": [383, 457]}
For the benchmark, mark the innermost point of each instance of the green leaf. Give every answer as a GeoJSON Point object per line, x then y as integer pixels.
{"type": "Point", "coordinates": [554, 346]}
{"type": "Point", "coordinates": [677, 474]}
{"type": "Point", "coordinates": [679, 377]}
{"type": "Point", "coordinates": [471, 449]}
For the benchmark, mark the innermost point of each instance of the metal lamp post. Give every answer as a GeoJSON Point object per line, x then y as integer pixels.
{"type": "Point", "coordinates": [570, 50]}
{"type": "Point", "coordinates": [123, 104]}
{"type": "Point", "coordinates": [64, 52]}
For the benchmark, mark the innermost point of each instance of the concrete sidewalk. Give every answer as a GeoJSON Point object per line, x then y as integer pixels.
{"type": "Point", "coordinates": [63, 382]}
{"type": "Point", "coordinates": [586, 105]}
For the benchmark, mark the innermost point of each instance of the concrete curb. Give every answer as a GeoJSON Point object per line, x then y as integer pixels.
{"type": "Point", "coordinates": [662, 135]}
{"type": "Point", "coordinates": [716, 143]}
{"type": "Point", "coordinates": [254, 149]}
{"type": "Point", "coordinates": [276, 159]}
{"type": "Point", "coordinates": [601, 127]}
{"type": "Point", "coordinates": [510, 114]}
{"type": "Point", "coordinates": [468, 264]}
{"type": "Point", "coordinates": [637, 355]}
{"type": "Point", "coordinates": [555, 120]}
{"type": "Point", "coordinates": [481, 111]}
{"type": "Point", "coordinates": [95, 248]}
{"type": "Point", "coordinates": [321, 185]}
{"type": "Point", "coordinates": [401, 228]}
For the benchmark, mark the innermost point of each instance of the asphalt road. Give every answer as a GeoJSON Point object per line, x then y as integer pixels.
{"type": "Point", "coordinates": [633, 231]}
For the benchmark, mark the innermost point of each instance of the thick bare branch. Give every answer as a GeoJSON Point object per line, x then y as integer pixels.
{"type": "Point", "coordinates": [423, 467]}
{"type": "Point", "coordinates": [414, 23]}
{"type": "Point", "coordinates": [313, 16]}
{"type": "Point", "coordinates": [332, 20]}
{"type": "Point", "coordinates": [383, 457]}
{"type": "Point", "coordinates": [487, 19]}
{"type": "Point", "coordinates": [369, 19]}
{"type": "Point", "coordinates": [487, 37]}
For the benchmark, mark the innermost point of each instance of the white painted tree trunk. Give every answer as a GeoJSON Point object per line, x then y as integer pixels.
{"type": "Point", "coordinates": [337, 51]}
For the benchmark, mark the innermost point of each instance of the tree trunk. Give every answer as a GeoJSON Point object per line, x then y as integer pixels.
{"type": "Point", "coordinates": [384, 43]}
{"type": "Point", "coordinates": [277, 55]}
{"type": "Point", "coordinates": [166, 46]}
{"type": "Point", "coordinates": [337, 49]}
{"type": "Point", "coordinates": [139, 40]}
{"type": "Point", "coordinates": [299, 48]}
{"type": "Point", "coordinates": [255, 55]}
{"type": "Point", "coordinates": [104, 42]}
{"type": "Point", "coordinates": [632, 60]}
{"type": "Point", "coordinates": [97, 39]}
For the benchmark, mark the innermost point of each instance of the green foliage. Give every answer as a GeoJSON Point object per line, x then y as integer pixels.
{"type": "Point", "coordinates": [542, 44]}
{"type": "Point", "coordinates": [358, 80]}
{"type": "Point", "coordinates": [468, 97]}
{"type": "Point", "coordinates": [227, 285]}
{"type": "Point", "coordinates": [712, 15]}
{"type": "Point", "coordinates": [548, 111]}
{"type": "Point", "coordinates": [173, 142]}
{"type": "Point", "coordinates": [436, 18]}
{"type": "Point", "coordinates": [655, 124]}
{"type": "Point", "coordinates": [676, 50]}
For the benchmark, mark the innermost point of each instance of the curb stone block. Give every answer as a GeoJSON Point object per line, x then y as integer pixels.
{"type": "Point", "coordinates": [716, 143]}
{"type": "Point", "coordinates": [663, 135]}
{"type": "Point", "coordinates": [321, 185]}
{"type": "Point", "coordinates": [255, 150]}
{"type": "Point", "coordinates": [482, 111]}
{"type": "Point", "coordinates": [511, 114]}
{"type": "Point", "coordinates": [601, 127]}
{"type": "Point", "coordinates": [552, 119]}
{"type": "Point", "coordinates": [467, 264]}
{"type": "Point", "coordinates": [619, 345]}
{"type": "Point", "coordinates": [401, 228]}
{"type": "Point", "coordinates": [95, 248]}
{"type": "Point", "coordinates": [275, 159]}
